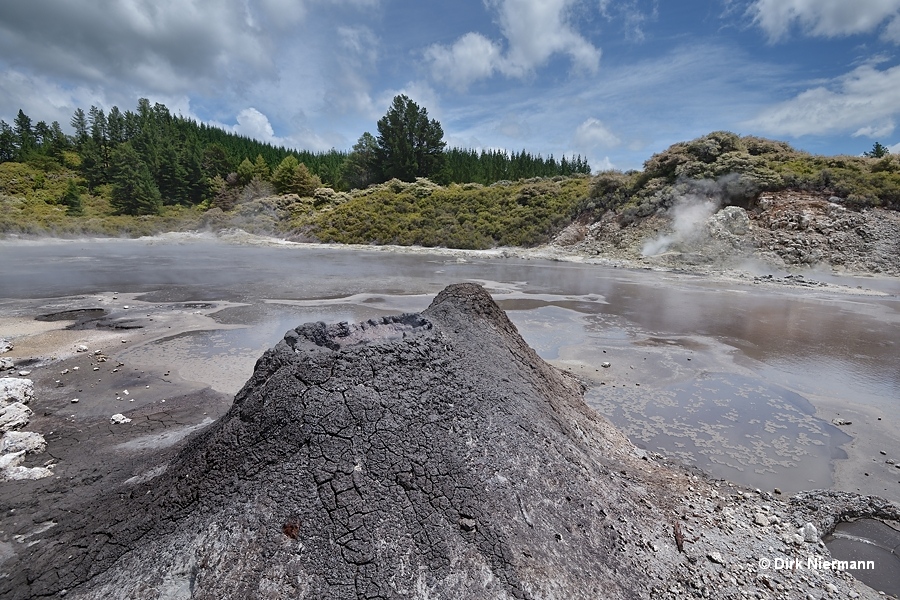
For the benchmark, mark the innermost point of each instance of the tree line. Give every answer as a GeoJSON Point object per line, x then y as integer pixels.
{"type": "Point", "coordinates": [149, 157]}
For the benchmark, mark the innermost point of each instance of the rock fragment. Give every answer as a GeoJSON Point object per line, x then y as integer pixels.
{"type": "Point", "coordinates": [14, 416]}
{"type": "Point", "coordinates": [13, 389]}
{"type": "Point", "coordinates": [27, 441]}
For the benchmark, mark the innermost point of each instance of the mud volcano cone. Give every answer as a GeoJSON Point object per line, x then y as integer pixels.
{"type": "Point", "coordinates": [420, 456]}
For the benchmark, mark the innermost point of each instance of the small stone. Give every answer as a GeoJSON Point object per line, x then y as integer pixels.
{"type": "Point", "coordinates": [22, 441]}
{"type": "Point", "coordinates": [761, 519]}
{"type": "Point", "coordinates": [24, 373]}
{"type": "Point", "coordinates": [830, 588]}
{"type": "Point", "coordinates": [605, 365]}
{"type": "Point", "coordinates": [467, 524]}
{"type": "Point", "coordinates": [810, 533]}
{"type": "Point", "coordinates": [11, 460]}
{"type": "Point", "coordinates": [74, 400]}
{"type": "Point", "coordinates": [882, 452]}
{"type": "Point", "coordinates": [81, 348]}
{"type": "Point", "coordinates": [119, 419]}
{"type": "Point", "coordinates": [124, 341]}
{"type": "Point", "coordinates": [16, 390]}
{"type": "Point", "coordinates": [98, 351]}
{"type": "Point", "coordinates": [716, 557]}
{"type": "Point", "coordinates": [96, 368]}
{"type": "Point", "coordinates": [64, 371]}
{"type": "Point", "coordinates": [840, 422]}
{"type": "Point", "coordinates": [75, 368]}
{"type": "Point", "coordinates": [125, 307]}
{"type": "Point", "coordinates": [125, 392]}
{"type": "Point", "coordinates": [14, 415]}
{"type": "Point", "coordinates": [778, 491]}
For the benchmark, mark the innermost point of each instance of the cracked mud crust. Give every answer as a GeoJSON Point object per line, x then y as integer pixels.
{"type": "Point", "coordinates": [419, 456]}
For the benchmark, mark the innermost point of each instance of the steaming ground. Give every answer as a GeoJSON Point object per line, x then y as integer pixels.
{"type": "Point", "coordinates": [783, 233]}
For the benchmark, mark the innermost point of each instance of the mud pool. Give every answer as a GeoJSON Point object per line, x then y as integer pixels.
{"type": "Point", "coordinates": [738, 378]}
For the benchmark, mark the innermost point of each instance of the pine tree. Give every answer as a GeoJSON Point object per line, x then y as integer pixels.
{"type": "Point", "coordinates": [24, 135]}
{"type": "Point", "coordinates": [359, 169]}
{"type": "Point", "coordinates": [216, 161]}
{"type": "Point", "coordinates": [80, 124]}
{"type": "Point", "coordinates": [115, 126]}
{"type": "Point", "coordinates": [283, 175]}
{"type": "Point", "coordinates": [133, 192]}
{"type": "Point", "coordinates": [293, 177]}
{"type": "Point", "coordinates": [409, 144]}
{"type": "Point", "coordinates": [878, 151]}
{"type": "Point", "coordinates": [245, 172]}
{"type": "Point", "coordinates": [261, 168]}
{"type": "Point", "coordinates": [7, 142]}
{"type": "Point", "coordinates": [72, 200]}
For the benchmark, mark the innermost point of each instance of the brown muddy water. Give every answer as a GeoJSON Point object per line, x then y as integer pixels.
{"type": "Point", "coordinates": [740, 379]}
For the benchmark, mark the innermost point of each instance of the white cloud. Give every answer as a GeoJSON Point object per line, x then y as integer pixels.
{"type": "Point", "coordinates": [865, 101]}
{"type": "Point", "coordinates": [825, 18]}
{"type": "Point", "coordinates": [470, 58]}
{"type": "Point", "coordinates": [537, 29]}
{"type": "Point", "coordinates": [633, 16]}
{"type": "Point", "coordinates": [167, 46]}
{"type": "Point", "coordinates": [592, 133]}
{"type": "Point", "coordinates": [895, 149]}
{"type": "Point", "coordinates": [254, 124]}
{"type": "Point", "coordinates": [534, 31]}
{"type": "Point", "coordinates": [874, 131]}
{"type": "Point", "coordinates": [891, 33]}
{"type": "Point", "coordinates": [603, 164]}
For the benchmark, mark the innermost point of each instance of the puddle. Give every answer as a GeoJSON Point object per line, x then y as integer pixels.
{"type": "Point", "coordinates": [875, 547]}
{"type": "Point", "coordinates": [731, 426]}
{"type": "Point", "coordinates": [82, 317]}
{"type": "Point", "coordinates": [224, 358]}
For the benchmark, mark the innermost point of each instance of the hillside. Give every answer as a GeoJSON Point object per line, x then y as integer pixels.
{"type": "Point", "coordinates": [710, 203]}
{"type": "Point", "coordinates": [782, 230]}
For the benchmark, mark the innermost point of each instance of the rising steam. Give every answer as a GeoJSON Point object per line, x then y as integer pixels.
{"type": "Point", "coordinates": [691, 210]}
{"type": "Point", "coordinates": [688, 216]}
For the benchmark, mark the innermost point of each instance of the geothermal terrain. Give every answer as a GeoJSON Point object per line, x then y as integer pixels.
{"type": "Point", "coordinates": [422, 455]}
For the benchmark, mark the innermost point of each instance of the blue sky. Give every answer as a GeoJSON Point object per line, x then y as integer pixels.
{"type": "Point", "coordinates": [612, 80]}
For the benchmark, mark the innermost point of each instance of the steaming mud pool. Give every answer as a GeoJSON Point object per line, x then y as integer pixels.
{"type": "Point", "coordinates": [766, 385]}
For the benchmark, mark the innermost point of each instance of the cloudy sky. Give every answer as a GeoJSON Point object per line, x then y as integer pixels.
{"type": "Point", "coordinates": [613, 80]}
